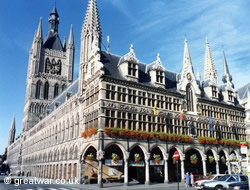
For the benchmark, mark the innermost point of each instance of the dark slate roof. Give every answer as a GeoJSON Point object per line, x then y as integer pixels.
{"type": "Point", "coordinates": [54, 11]}
{"type": "Point", "coordinates": [111, 62]}
{"type": "Point", "coordinates": [60, 99]}
{"type": "Point", "coordinates": [53, 41]}
{"type": "Point", "coordinates": [243, 91]}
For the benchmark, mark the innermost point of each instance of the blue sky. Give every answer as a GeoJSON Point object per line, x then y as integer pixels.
{"type": "Point", "coordinates": [151, 26]}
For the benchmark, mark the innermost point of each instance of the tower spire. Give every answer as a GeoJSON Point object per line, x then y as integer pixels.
{"type": "Point", "coordinates": [187, 63]}
{"type": "Point", "coordinates": [92, 21]}
{"type": "Point", "coordinates": [71, 37]}
{"type": "Point", "coordinates": [226, 75]}
{"type": "Point", "coordinates": [39, 33]}
{"type": "Point", "coordinates": [53, 21]}
{"type": "Point", "coordinates": [210, 72]}
{"type": "Point", "coordinates": [12, 131]}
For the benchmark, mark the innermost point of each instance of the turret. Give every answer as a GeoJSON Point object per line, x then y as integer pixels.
{"type": "Point", "coordinates": [91, 38]}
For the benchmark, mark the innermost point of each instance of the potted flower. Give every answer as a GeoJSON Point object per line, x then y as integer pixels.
{"type": "Point", "coordinates": [157, 158]}
{"type": "Point", "coordinates": [194, 159]}
{"type": "Point", "coordinates": [115, 157]}
{"type": "Point", "coordinates": [211, 159]}
{"type": "Point", "coordinates": [223, 159]}
{"type": "Point", "coordinates": [90, 157]}
{"type": "Point", "coordinates": [137, 158]}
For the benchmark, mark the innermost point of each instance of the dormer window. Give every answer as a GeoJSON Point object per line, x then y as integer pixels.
{"type": "Point", "coordinates": [132, 69]}
{"type": "Point", "coordinates": [214, 91]}
{"type": "Point", "coordinates": [159, 76]}
{"type": "Point", "coordinates": [230, 96]}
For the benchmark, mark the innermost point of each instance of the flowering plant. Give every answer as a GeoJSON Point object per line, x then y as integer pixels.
{"type": "Point", "coordinates": [211, 159]}
{"type": "Point", "coordinates": [157, 158]}
{"type": "Point", "coordinates": [194, 159]}
{"type": "Point", "coordinates": [90, 157]}
{"type": "Point", "coordinates": [223, 159]}
{"type": "Point", "coordinates": [115, 157]}
{"type": "Point", "coordinates": [137, 158]}
{"type": "Point", "coordinates": [89, 132]}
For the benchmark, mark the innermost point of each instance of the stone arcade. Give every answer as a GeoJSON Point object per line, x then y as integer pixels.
{"type": "Point", "coordinates": [121, 118]}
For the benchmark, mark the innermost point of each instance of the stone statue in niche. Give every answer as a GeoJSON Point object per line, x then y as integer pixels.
{"type": "Point", "coordinates": [192, 129]}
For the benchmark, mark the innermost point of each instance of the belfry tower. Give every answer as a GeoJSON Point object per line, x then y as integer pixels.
{"type": "Point", "coordinates": [50, 70]}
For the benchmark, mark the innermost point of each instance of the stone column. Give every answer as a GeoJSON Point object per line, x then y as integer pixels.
{"type": "Point", "coordinates": [182, 168]}
{"type": "Point", "coordinates": [204, 166]}
{"type": "Point", "coordinates": [166, 171]}
{"type": "Point", "coordinates": [217, 167]}
{"type": "Point", "coordinates": [147, 157]}
{"type": "Point", "coordinates": [229, 167]}
{"type": "Point", "coordinates": [126, 157]}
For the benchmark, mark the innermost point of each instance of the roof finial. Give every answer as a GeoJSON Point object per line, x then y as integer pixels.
{"type": "Point", "coordinates": [131, 48]}
{"type": "Point", "coordinates": [158, 57]}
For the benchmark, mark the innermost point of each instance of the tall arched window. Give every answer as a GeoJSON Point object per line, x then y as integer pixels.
{"type": "Point", "coordinates": [56, 90]}
{"type": "Point", "coordinates": [38, 86]}
{"type": "Point", "coordinates": [46, 91]}
{"type": "Point", "coordinates": [190, 98]}
{"type": "Point", "coordinates": [63, 87]}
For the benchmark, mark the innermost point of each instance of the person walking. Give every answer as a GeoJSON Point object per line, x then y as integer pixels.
{"type": "Point", "coordinates": [187, 176]}
{"type": "Point", "coordinates": [192, 179]}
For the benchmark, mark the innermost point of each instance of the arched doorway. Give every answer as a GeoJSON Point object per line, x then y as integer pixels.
{"type": "Point", "coordinates": [172, 167]}
{"type": "Point", "coordinates": [210, 162]}
{"type": "Point", "coordinates": [156, 163]}
{"type": "Point", "coordinates": [222, 163]}
{"type": "Point", "coordinates": [193, 162]}
{"type": "Point", "coordinates": [136, 168]}
{"type": "Point", "coordinates": [113, 168]}
{"type": "Point", "coordinates": [89, 165]}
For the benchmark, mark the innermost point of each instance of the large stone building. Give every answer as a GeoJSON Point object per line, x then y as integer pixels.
{"type": "Point", "coordinates": [123, 118]}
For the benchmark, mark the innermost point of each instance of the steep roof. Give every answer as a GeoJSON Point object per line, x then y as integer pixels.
{"type": "Point", "coordinates": [243, 91]}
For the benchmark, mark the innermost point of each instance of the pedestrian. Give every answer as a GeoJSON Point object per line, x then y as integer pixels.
{"type": "Point", "coordinates": [192, 179]}
{"type": "Point", "coordinates": [187, 176]}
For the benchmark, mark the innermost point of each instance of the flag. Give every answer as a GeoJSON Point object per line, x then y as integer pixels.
{"type": "Point", "coordinates": [181, 116]}
{"type": "Point", "coordinates": [155, 107]}
{"type": "Point", "coordinates": [228, 121]}
{"type": "Point", "coordinates": [210, 122]}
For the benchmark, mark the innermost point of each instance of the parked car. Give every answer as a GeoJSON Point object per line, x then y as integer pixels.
{"type": "Point", "coordinates": [239, 186]}
{"type": "Point", "coordinates": [223, 182]}
{"type": "Point", "coordinates": [197, 184]}
{"type": "Point", "coordinates": [199, 177]}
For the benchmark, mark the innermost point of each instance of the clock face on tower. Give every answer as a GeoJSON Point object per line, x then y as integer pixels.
{"type": "Point", "coordinates": [53, 67]}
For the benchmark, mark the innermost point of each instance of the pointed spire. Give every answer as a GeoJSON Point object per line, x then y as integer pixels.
{"type": "Point", "coordinates": [39, 33]}
{"type": "Point", "coordinates": [187, 63]}
{"type": "Point", "coordinates": [210, 72]}
{"type": "Point", "coordinates": [13, 124]}
{"type": "Point", "coordinates": [71, 37]}
{"type": "Point", "coordinates": [226, 75]}
{"type": "Point", "coordinates": [198, 75]}
{"type": "Point", "coordinates": [64, 43]}
{"type": "Point", "coordinates": [132, 48]}
{"type": "Point", "coordinates": [92, 22]}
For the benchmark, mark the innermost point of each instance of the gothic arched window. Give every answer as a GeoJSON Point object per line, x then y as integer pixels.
{"type": "Point", "coordinates": [63, 87]}
{"type": "Point", "coordinates": [38, 86]}
{"type": "Point", "coordinates": [190, 98]}
{"type": "Point", "coordinates": [47, 65]}
{"type": "Point", "coordinates": [56, 90]}
{"type": "Point", "coordinates": [46, 91]}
